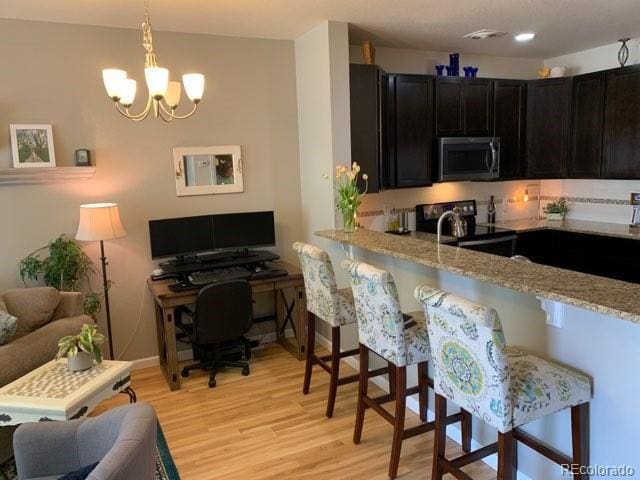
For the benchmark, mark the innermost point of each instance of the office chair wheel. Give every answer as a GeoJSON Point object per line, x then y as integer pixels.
{"type": "Point", "coordinates": [184, 373]}
{"type": "Point", "coordinates": [245, 371]}
{"type": "Point", "coordinates": [212, 382]}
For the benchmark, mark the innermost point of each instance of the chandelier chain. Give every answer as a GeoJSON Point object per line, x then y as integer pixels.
{"type": "Point", "coordinates": [147, 39]}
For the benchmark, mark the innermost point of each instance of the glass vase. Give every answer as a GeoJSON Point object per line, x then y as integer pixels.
{"type": "Point", "coordinates": [349, 219]}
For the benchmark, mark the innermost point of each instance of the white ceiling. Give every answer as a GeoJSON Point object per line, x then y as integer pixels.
{"type": "Point", "coordinates": [562, 26]}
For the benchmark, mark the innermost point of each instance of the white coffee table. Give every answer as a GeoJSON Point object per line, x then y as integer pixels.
{"type": "Point", "coordinates": [52, 392]}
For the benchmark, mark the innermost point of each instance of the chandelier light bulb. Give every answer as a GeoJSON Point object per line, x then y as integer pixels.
{"type": "Point", "coordinates": [128, 92]}
{"type": "Point", "coordinates": [157, 81]}
{"type": "Point", "coordinates": [112, 78]}
{"type": "Point", "coordinates": [194, 86]}
{"type": "Point", "coordinates": [172, 97]}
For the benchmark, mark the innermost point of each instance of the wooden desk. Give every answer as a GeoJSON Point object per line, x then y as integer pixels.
{"type": "Point", "coordinates": [291, 308]}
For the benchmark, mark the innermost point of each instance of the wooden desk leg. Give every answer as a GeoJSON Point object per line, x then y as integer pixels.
{"type": "Point", "coordinates": [167, 347]}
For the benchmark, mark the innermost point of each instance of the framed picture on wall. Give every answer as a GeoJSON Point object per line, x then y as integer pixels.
{"type": "Point", "coordinates": [32, 146]}
{"type": "Point", "coordinates": [208, 170]}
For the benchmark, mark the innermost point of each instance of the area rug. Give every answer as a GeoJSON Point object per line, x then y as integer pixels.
{"type": "Point", "coordinates": [165, 467]}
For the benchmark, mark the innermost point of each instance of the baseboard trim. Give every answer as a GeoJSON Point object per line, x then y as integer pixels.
{"type": "Point", "coordinates": [453, 431]}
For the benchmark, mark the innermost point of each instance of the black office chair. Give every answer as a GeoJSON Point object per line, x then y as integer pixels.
{"type": "Point", "coordinates": [223, 314]}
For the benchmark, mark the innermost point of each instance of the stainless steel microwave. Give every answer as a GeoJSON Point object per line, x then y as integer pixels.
{"type": "Point", "coordinates": [468, 158]}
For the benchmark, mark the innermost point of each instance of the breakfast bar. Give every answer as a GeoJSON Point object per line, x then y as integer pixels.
{"type": "Point", "coordinates": [588, 322]}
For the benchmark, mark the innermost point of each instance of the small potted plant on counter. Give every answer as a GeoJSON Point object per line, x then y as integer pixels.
{"type": "Point", "coordinates": [556, 210]}
{"type": "Point", "coordinates": [81, 350]}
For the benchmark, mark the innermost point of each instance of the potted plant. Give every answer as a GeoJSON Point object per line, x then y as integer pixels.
{"type": "Point", "coordinates": [64, 268]}
{"type": "Point", "coordinates": [349, 197]}
{"type": "Point", "coordinates": [556, 210]}
{"type": "Point", "coordinates": [81, 350]}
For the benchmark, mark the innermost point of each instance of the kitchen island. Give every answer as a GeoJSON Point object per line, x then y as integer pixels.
{"type": "Point", "coordinates": [588, 322]}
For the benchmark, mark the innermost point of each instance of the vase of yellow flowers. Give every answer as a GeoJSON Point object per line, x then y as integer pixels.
{"type": "Point", "coordinates": [349, 196]}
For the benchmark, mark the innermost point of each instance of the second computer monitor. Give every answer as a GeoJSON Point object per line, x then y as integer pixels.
{"type": "Point", "coordinates": [243, 230]}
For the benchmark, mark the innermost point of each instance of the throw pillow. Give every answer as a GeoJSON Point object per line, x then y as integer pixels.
{"type": "Point", "coordinates": [80, 474]}
{"type": "Point", "coordinates": [8, 324]}
{"type": "Point", "coordinates": [34, 307]}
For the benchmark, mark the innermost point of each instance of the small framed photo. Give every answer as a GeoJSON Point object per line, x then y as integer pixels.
{"type": "Point", "coordinates": [208, 170]}
{"type": "Point", "coordinates": [32, 146]}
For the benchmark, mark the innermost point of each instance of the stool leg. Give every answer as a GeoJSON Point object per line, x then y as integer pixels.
{"type": "Point", "coordinates": [580, 438]}
{"type": "Point", "coordinates": [507, 456]}
{"type": "Point", "coordinates": [423, 391]}
{"type": "Point", "coordinates": [311, 351]}
{"type": "Point", "coordinates": [392, 378]}
{"type": "Point", "coordinates": [335, 369]}
{"type": "Point", "coordinates": [363, 386]}
{"type": "Point", "coordinates": [466, 431]}
{"type": "Point", "coordinates": [440, 437]}
{"type": "Point", "coordinates": [400, 374]}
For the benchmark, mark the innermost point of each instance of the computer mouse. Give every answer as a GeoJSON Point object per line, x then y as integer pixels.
{"type": "Point", "coordinates": [157, 272]}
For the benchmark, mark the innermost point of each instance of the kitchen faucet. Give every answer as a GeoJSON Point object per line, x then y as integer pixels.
{"type": "Point", "coordinates": [459, 224]}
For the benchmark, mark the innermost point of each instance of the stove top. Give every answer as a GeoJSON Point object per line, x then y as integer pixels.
{"type": "Point", "coordinates": [427, 220]}
{"type": "Point", "coordinates": [487, 231]}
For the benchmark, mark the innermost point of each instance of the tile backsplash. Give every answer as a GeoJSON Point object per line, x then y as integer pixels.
{"type": "Point", "coordinates": [595, 200]}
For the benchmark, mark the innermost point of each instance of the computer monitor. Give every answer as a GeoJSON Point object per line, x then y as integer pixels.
{"type": "Point", "coordinates": [178, 237]}
{"type": "Point", "coordinates": [243, 230]}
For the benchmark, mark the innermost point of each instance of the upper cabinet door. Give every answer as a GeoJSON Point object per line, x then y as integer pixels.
{"type": "Point", "coordinates": [587, 119]}
{"type": "Point", "coordinates": [367, 85]}
{"type": "Point", "coordinates": [510, 112]}
{"type": "Point", "coordinates": [478, 116]}
{"type": "Point", "coordinates": [622, 123]}
{"type": "Point", "coordinates": [548, 107]}
{"type": "Point", "coordinates": [411, 141]}
{"type": "Point", "coordinates": [450, 101]}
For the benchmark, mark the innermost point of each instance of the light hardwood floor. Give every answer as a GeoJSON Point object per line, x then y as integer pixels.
{"type": "Point", "coordinates": [261, 427]}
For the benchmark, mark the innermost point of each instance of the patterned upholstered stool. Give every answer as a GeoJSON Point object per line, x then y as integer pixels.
{"type": "Point", "coordinates": [403, 341]}
{"type": "Point", "coordinates": [333, 306]}
{"type": "Point", "coordinates": [500, 385]}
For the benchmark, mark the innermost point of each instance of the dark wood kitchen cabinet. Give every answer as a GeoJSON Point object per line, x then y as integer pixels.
{"type": "Point", "coordinates": [410, 131]}
{"type": "Point", "coordinates": [509, 124]}
{"type": "Point", "coordinates": [464, 107]}
{"type": "Point", "coordinates": [587, 121]}
{"type": "Point", "coordinates": [548, 112]}
{"type": "Point", "coordinates": [622, 123]}
{"type": "Point", "coordinates": [368, 97]}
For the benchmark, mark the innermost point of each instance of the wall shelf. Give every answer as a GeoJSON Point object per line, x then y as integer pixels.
{"type": "Point", "coordinates": [39, 175]}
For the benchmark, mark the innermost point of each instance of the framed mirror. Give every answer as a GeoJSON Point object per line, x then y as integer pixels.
{"type": "Point", "coordinates": [208, 170]}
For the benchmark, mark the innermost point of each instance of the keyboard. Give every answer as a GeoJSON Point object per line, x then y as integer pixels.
{"type": "Point", "coordinates": [206, 277]}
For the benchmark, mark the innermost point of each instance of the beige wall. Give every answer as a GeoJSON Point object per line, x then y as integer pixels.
{"type": "Point", "coordinates": [51, 74]}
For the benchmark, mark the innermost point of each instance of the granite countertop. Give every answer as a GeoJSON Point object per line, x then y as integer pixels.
{"type": "Point", "coordinates": [598, 294]}
{"type": "Point", "coordinates": [617, 230]}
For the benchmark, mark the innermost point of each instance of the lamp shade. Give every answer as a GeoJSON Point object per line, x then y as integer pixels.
{"type": "Point", "coordinates": [99, 221]}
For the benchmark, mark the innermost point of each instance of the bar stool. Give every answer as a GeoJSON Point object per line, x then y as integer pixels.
{"type": "Point", "coordinates": [403, 341]}
{"type": "Point", "coordinates": [331, 305]}
{"type": "Point", "coordinates": [503, 386]}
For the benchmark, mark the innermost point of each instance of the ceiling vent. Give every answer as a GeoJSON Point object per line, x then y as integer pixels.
{"type": "Point", "coordinates": [484, 34]}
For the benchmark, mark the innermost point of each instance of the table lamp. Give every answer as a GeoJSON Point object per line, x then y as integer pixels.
{"type": "Point", "coordinates": [101, 221]}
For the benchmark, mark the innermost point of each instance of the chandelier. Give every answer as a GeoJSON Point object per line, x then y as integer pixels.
{"type": "Point", "coordinates": [164, 94]}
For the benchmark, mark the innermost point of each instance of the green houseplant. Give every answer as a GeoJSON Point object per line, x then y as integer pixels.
{"type": "Point", "coordinates": [556, 210]}
{"type": "Point", "coordinates": [349, 196]}
{"type": "Point", "coordinates": [81, 350]}
{"type": "Point", "coordinates": [65, 268]}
